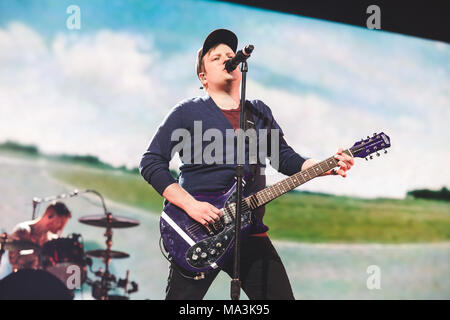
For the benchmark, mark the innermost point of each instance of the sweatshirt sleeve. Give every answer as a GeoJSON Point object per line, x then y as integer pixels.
{"type": "Point", "coordinates": [154, 165]}
{"type": "Point", "coordinates": [289, 162]}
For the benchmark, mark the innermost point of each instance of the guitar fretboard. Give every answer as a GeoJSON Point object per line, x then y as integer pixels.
{"type": "Point", "coordinates": [266, 195]}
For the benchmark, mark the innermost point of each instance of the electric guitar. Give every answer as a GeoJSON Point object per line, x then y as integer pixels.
{"type": "Point", "coordinates": [199, 248]}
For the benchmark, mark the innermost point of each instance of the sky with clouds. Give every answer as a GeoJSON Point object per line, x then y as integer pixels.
{"type": "Point", "coordinates": [103, 89]}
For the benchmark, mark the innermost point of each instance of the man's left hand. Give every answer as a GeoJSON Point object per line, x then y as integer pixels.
{"type": "Point", "coordinates": [345, 163]}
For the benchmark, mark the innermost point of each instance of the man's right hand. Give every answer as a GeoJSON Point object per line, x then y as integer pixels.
{"type": "Point", "coordinates": [203, 212]}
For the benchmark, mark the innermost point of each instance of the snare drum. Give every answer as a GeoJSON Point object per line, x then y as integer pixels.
{"type": "Point", "coordinates": [65, 259]}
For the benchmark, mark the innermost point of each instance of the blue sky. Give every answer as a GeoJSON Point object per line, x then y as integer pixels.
{"type": "Point", "coordinates": [103, 89]}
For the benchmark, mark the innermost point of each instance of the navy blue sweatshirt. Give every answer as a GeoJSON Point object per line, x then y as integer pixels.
{"type": "Point", "coordinates": [198, 175]}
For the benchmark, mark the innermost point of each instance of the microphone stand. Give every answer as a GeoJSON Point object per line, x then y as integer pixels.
{"type": "Point", "coordinates": [37, 201]}
{"type": "Point", "coordinates": [235, 289]}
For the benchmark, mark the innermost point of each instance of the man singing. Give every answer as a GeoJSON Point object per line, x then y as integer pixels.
{"type": "Point", "coordinates": [263, 275]}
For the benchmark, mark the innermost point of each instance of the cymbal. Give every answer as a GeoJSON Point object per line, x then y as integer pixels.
{"type": "Point", "coordinates": [102, 220]}
{"type": "Point", "coordinates": [112, 254]}
{"type": "Point", "coordinates": [14, 245]}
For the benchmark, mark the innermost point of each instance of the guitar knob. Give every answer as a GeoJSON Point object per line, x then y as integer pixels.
{"type": "Point", "coordinates": [218, 245]}
{"type": "Point", "coordinates": [198, 250]}
{"type": "Point", "coordinates": [203, 255]}
{"type": "Point", "coordinates": [212, 251]}
{"type": "Point", "coordinates": [194, 257]}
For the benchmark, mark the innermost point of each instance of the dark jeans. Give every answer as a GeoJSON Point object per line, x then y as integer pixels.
{"type": "Point", "coordinates": [262, 275]}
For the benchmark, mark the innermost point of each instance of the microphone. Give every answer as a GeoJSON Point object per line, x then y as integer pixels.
{"type": "Point", "coordinates": [240, 56]}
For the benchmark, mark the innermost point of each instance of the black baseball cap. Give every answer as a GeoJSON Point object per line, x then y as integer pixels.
{"type": "Point", "coordinates": [217, 36]}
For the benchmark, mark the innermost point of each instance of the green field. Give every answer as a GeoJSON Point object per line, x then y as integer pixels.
{"type": "Point", "coordinates": [297, 216]}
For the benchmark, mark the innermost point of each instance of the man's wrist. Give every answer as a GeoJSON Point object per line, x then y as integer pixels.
{"type": "Point", "coordinates": [188, 202]}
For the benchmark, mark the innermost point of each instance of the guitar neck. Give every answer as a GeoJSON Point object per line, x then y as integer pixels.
{"type": "Point", "coordinates": [266, 195]}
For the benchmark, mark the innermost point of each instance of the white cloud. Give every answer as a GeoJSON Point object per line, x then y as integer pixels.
{"type": "Point", "coordinates": [91, 94]}
{"type": "Point", "coordinates": [19, 42]}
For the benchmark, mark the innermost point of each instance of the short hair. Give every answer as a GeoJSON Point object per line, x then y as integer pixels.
{"type": "Point", "coordinates": [200, 65]}
{"type": "Point", "coordinates": [60, 209]}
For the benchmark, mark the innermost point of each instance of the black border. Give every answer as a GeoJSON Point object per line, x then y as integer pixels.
{"type": "Point", "coordinates": [425, 19]}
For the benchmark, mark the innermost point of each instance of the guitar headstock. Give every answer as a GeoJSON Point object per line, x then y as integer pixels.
{"type": "Point", "coordinates": [366, 147]}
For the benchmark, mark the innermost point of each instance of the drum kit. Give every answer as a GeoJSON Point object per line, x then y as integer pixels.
{"type": "Point", "coordinates": [66, 260]}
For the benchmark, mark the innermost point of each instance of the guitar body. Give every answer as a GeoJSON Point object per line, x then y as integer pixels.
{"type": "Point", "coordinates": [193, 246]}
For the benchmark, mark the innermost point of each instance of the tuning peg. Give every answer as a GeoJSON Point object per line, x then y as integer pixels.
{"type": "Point", "coordinates": [374, 134]}
{"type": "Point", "coordinates": [385, 151]}
{"type": "Point", "coordinates": [366, 159]}
{"type": "Point", "coordinates": [368, 137]}
{"type": "Point", "coordinates": [378, 154]}
{"type": "Point", "coordinates": [371, 157]}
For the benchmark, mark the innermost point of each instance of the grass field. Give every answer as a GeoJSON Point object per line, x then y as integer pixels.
{"type": "Point", "coordinates": [298, 216]}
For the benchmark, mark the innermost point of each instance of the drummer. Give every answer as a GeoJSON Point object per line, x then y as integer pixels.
{"type": "Point", "coordinates": [39, 231]}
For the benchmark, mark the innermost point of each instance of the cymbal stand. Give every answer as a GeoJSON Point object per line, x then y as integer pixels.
{"type": "Point", "coordinates": [100, 288]}
{"type": "Point", "coordinates": [106, 277]}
